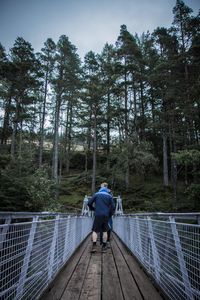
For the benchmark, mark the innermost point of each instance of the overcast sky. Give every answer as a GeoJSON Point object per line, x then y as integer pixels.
{"type": "Point", "coordinates": [89, 24]}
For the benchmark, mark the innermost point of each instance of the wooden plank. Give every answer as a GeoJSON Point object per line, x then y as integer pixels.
{"type": "Point", "coordinates": [59, 284]}
{"type": "Point", "coordinates": [92, 283]}
{"type": "Point", "coordinates": [75, 284]}
{"type": "Point", "coordinates": [129, 287]}
{"type": "Point", "coordinates": [111, 288]}
{"type": "Point", "coordinates": [144, 283]}
{"type": "Point", "coordinates": [101, 276]}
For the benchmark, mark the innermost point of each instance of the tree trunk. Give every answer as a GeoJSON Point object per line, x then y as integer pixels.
{"type": "Point", "coordinates": [20, 142]}
{"type": "Point", "coordinates": [69, 137]}
{"type": "Point", "coordinates": [56, 140]}
{"type": "Point", "coordinates": [94, 155]}
{"type": "Point", "coordinates": [89, 131]}
{"type": "Point", "coordinates": [185, 174]}
{"type": "Point", "coordinates": [6, 122]}
{"type": "Point", "coordinates": [108, 133]}
{"type": "Point", "coordinates": [41, 142]}
{"type": "Point", "coordinates": [60, 166]}
{"type": "Point", "coordinates": [66, 150]}
{"type": "Point", "coordinates": [173, 169]}
{"type": "Point", "coordinates": [174, 183]}
{"type": "Point", "coordinates": [14, 133]}
{"type": "Point", "coordinates": [86, 165]}
{"type": "Point", "coordinates": [127, 177]}
{"type": "Point", "coordinates": [125, 107]}
{"type": "Point", "coordinates": [13, 139]}
{"type": "Point", "coordinates": [165, 162]}
{"type": "Point", "coordinates": [142, 109]}
{"type": "Point", "coordinates": [126, 127]}
{"type": "Point", "coordinates": [135, 110]}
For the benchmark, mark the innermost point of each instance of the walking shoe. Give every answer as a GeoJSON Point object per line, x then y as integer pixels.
{"type": "Point", "coordinates": [104, 248]}
{"type": "Point", "coordinates": [94, 249]}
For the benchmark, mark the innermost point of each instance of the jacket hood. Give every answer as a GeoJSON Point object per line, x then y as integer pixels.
{"type": "Point", "coordinates": [104, 189]}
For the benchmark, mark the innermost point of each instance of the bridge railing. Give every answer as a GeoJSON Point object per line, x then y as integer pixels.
{"type": "Point", "coordinates": [33, 252]}
{"type": "Point", "coordinates": [86, 211]}
{"type": "Point", "coordinates": [169, 251]}
{"type": "Point", "coordinates": [181, 217]}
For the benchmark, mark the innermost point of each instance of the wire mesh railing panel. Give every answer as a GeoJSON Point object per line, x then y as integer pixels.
{"type": "Point", "coordinates": [32, 253]}
{"type": "Point", "coordinates": [169, 251]}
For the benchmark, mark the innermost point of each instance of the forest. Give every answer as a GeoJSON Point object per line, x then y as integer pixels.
{"type": "Point", "coordinates": [129, 115]}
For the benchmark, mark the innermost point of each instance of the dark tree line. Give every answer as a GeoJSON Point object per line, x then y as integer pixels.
{"type": "Point", "coordinates": [133, 108]}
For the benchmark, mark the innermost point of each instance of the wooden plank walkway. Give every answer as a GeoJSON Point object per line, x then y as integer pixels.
{"type": "Point", "coordinates": [102, 276]}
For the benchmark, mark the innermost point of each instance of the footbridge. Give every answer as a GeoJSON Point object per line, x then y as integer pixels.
{"type": "Point", "coordinates": [47, 256]}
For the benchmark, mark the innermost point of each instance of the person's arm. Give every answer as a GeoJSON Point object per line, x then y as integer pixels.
{"type": "Point", "coordinates": [90, 203]}
{"type": "Point", "coordinates": [112, 207]}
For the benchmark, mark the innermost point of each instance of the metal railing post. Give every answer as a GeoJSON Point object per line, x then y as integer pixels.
{"type": "Point", "coordinates": [4, 231]}
{"type": "Point", "coordinates": [131, 233]}
{"type": "Point", "coordinates": [75, 233]}
{"type": "Point", "coordinates": [119, 209]}
{"type": "Point", "coordinates": [181, 260]}
{"type": "Point", "coordinates": [156, 259]}
{"type": "Point", "coordinates": [85, 209]}
{"type": "Point", "coordinates": [22, 278]}
{"type": "Point", "coordinates": [53, 248]}
{"type": "Point", "coordinates": [139, 239]}
{"type": "Point", "coordinates": [67, 231]}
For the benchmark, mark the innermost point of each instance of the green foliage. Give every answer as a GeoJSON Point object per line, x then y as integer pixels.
{"type": "Point", "coordinates": [39, 189]}
{"type": "Point", "coordinates": [4, 160]}
{"type": "Point", "coordinates": [187, 157]}
{"type": "Point", "coordinates": [77, 160]}
{"type": "Point", "coordinates": [130, 106]}
{"type": "Point", "coordinates": [23, 187]}
{"type": "Point", "coordinates": [193, 196]}
{"type": "Point", "coordinates": [137, 156]}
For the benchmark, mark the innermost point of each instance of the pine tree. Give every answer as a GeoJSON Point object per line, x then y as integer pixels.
{"type": "Point", "coordinates": [24, 81]}
{"type": "Point", "coordinates": [47, 64]}
{"type": "Point", "coordinates": [64, 84]}
{"type": "Point", "coordinates": [5, 94]}
{"type": "Point", "coordinates": [108, 63]}
{"type": "Point", "coordinates": [129, 55]}
{"type": "Point", "coordinates": [93, 101]}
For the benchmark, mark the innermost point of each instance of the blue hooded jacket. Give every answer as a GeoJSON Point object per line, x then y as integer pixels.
{"type": "Point", "coordinates": [104, 204]}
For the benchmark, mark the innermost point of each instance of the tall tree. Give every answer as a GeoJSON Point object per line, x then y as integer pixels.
{"type": "Point", "coordinates": [67, 64]}
{"type": "Point", "coordinates": [167, 89]}
{"type": "Point", "coordinates": [182, 29]}
{"type": "Point", "coordinates": [128, 53]}
{"type": "Point", "coordinates": [93, 97]}
{"type": "Point", "coordinates": [24, 82]}
{"type": "Point", "coordinates": [5, 94]}
{"type": "Point", "coordinates": [71, 99]}
{"type": "Point", "coordinates": [108, 63]}
{"type": "Point", "coordinates": [47, 64]}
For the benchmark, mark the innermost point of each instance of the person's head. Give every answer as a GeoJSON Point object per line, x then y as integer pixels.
{"type": "Point", "coordinates": [104, 184]}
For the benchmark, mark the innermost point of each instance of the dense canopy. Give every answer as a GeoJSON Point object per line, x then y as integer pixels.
{"type": "Point", "coordinates": [128, 115]}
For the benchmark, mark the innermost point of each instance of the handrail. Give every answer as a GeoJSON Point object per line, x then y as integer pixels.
{"type": "Point", "coordinates": [168, 251]}
{"type": "Point", "coordinates": [164, 214]}
{"type": "Point", "coordinates": [35, 246]}
{"type": "Point", "coordinates": [21, 215]}
{"type": "Point", "coordinates": [33, 252]}
{"type": "Point", "coordinates": [118, 206]}
{"type": "Point", "coordinates": [195, 216]}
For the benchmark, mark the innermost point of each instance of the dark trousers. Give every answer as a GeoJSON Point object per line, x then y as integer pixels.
{"type": "Point", "coordinates": [101, 236]}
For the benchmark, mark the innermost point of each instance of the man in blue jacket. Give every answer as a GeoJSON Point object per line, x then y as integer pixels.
{"type": "Point", "coordinates": [104, 206]}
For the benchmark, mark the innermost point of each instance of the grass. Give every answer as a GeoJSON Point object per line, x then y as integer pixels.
{"type": "Point", "coordinates": [143, 195]}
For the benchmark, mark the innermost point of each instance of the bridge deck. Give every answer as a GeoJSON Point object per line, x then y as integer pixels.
{"type": "Point", "coordinates": [102, 276]}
